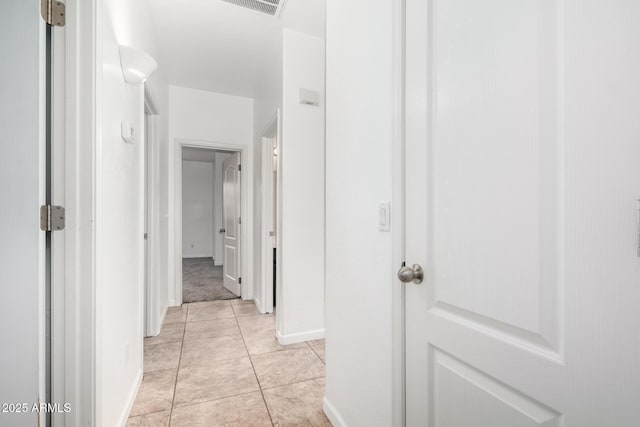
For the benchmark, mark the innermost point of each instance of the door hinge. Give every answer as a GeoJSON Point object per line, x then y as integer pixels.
{"type": "Point", "coordinates": [53, 12]}
{"type": "Point", "coordinates": [52, 218]}
{"type": "Point", "coordinates": [239, 168]}
{"type": "Point", "coordinates": [239, 280]}
{"type": "Point", "coordinates": [239, 220]}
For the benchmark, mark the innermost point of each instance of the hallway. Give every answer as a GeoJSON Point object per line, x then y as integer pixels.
{"type": "Point", "coordinates": [218, 363]}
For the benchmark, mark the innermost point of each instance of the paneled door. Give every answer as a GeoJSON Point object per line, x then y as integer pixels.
{"type": "Point", "coordinates": [522, 181]}
{"type": "Point", "coordinates": [232, 222]}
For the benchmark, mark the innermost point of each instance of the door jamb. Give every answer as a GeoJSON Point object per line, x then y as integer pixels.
{"type": "Point", "coordinates": [273, 130]}
{"type": "Point", "coordinates": [151, 327]}
{"type": "Point", "coordinates": [74, 139]}
{"type": "Point", "coordinates": [245, 213]}
{"type": "Point", "coordinates": [398, 321]}
{"type": "Point", "coordinates": [59, 64]}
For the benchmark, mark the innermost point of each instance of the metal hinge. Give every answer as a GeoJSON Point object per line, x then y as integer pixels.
{"type": "Point", "coordinates": [51, 218]}
{"type": "Point", "coordinates": [239, 168]}
{"type": "Point", "coordinates": [53, 12]}
{"type": "Point", "coordinates": [239, 220]}
{"type": "Point", "coordinates": [239, 280]}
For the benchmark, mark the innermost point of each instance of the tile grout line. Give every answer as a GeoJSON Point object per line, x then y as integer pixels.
{"type": "Point", "coordinates": [316, 353]}
{"type": "Point", "coordinates": [190, 404]}
{"type": "Point", "coordinates": [294, 383]}
{"type": "Point", "coordinates": [175, 385]}
{"type": "Point", "coordinates": [254, 371]}
{"type": "Point", "coordinates": [262, 389]}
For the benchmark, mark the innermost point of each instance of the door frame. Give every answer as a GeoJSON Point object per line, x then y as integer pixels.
{"type": "Point", "coordinates": [75, 127]}
{"type": "Point", "coordinates": [244, 270]}
{"type": "Point", "coordinates": [273, 130]}
{"type": "Point", "coordinates": [151, 324]}
{"type": "Point", "coordinates": [59, 65]}
{"type": "Point", "coordinates": [398, 223]}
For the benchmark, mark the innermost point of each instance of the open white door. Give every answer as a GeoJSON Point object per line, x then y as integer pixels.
{"type": "Point", "coordinates": [23, 297]}
{"type": "Point", "coordinates": [522, 172]}
{"type": "Point", "coordinates": [232, 223]}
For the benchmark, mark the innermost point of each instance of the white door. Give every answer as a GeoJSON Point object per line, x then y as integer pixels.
{"type": "Point", "coordinates": [523, 170]}
{"type": "Point", "coordinates": [231, 215]}
{"type": "Point", "coordinates": [22, 191]}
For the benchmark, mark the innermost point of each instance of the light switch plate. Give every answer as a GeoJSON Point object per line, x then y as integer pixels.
{"type": "Point", "coordinates": [384, 216]}
{"type": "Point", "coordinates": [309, 97]}
{"type": "Point", "coordinates": [128, 133]}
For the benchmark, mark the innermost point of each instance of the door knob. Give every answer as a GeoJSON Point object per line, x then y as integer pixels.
{"type": "Point", "coordinates": [222, 230]}
{"type": "Point", "coordinates": [411, 274]}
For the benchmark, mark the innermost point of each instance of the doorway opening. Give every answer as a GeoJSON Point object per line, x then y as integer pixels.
{"type": "Point", "coordinates": [211, 224]}
{"type": "Point", "coordinates": [270, 214]}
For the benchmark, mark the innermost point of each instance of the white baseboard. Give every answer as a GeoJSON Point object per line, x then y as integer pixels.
{"type": "Point", "coordinates": [299, 337]}
{"type": "Point", "coordinates": [259, 305]}
{"type": "Point", "coordinates": [162, 318]}
{"type": "Point", "coordinates": [331, 413]}
{"type": "Point", "coordinates": [132, 399]}
{"type": "Point", "coordinates": [164, 314]}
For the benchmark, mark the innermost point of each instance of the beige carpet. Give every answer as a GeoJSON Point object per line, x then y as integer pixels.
{"type": "Point", "coordinates": [202, 281]}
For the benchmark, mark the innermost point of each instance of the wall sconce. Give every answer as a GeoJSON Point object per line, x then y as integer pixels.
{"type": "Point", "coordinates": [136, 65]}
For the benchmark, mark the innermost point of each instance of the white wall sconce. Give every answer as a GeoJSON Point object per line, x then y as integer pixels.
{"type": "Point", "coordinates": [136, 65]}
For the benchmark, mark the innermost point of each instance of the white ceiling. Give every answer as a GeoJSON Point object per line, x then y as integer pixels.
{"type": "Point", "coordinates": [217, 46]}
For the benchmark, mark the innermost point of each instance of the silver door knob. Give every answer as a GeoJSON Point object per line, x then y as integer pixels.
{"type": "Point", "coordinates": [411, 274]}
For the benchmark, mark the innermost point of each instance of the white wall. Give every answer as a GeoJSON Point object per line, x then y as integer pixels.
{"type": "Point", "coordinates": [119, 237]}
{"type": "Point", "coordinates": [120, 210]}
{"type": "Point", "coordinates": [359, 175]}
{"type": "Point", "coordinates": [132, 26]}
{"type": "Point", "coordinates": [200, 116]}
{"type": "Point", "coordinates": [301, 309]}
{"type": "Point", "coordinates": [197, 209]}
{"type": "Point", "coordinates": [218, 222]}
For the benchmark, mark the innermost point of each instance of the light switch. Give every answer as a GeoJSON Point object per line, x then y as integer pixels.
{"type": "Point", "coordinates": [127, 132]}
{"type": "Point", "coordinates": [384, 214]}
{"type": "Point", "coordinates": [309, 97]}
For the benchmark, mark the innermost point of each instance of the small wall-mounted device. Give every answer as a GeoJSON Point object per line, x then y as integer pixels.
{"type": "Point", "coordinates": [384, 216]}
{"type": "Point", "coordinates": [309, 97]}
{"type": "Point", "coordinates": [128, 133]}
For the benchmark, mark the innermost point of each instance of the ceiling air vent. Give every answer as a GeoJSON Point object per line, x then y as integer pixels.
{"type": "Point", "coordinates": [270, 7]}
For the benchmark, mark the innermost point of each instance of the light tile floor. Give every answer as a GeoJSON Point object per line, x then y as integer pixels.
{"type": "Point", "coordinates": [218, 363]}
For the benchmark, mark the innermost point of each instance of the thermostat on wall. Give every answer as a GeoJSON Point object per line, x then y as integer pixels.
{"type": "Point", "coordinates": [128, 133]}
